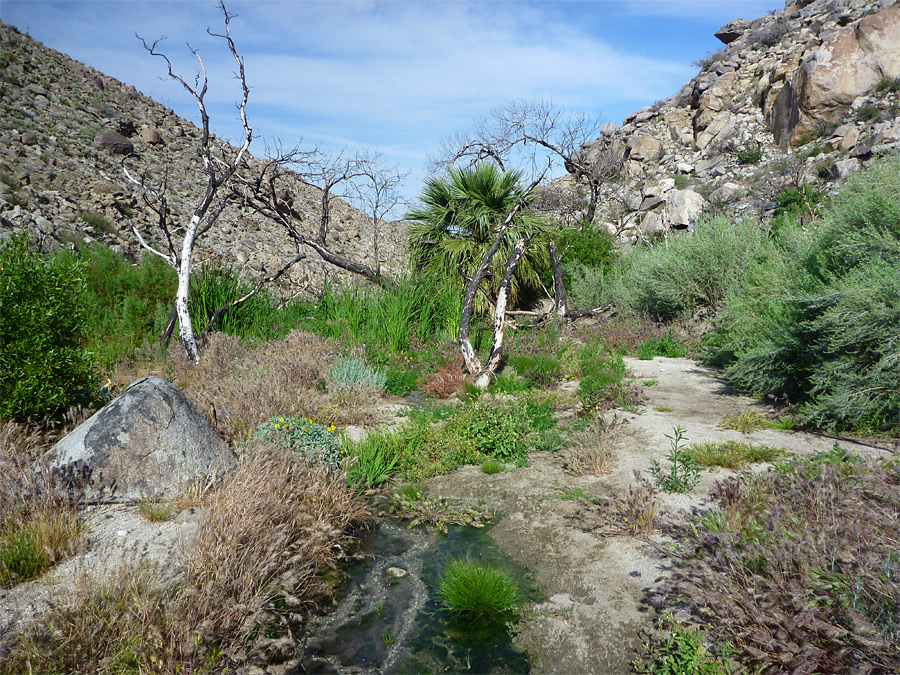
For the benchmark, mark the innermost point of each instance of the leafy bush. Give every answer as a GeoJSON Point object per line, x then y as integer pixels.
{"type": "Point", "coordinates": [678, 651]}
{"type": "Point", "coordinates": [599, 379]}
{"type": "Point", "coordinates": [749, 154]}
{"type": "Point", "coordinates": [539, 370]}
{"type": "Point", "coordinates": [44, 368]}
{"type": "Point", "coordinates": [495, 430]}
{"type": "Point", "coordinates": [400, 381]}
{"type": "Point", "coordinates": [693, 272]}
{"type": "Point", "coordinates": [315, 442]}
{"type": "Point", "coordinates": [477, 589]}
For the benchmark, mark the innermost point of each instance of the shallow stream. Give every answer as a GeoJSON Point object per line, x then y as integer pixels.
{"type": "Point", "coordinates": [386, 624]}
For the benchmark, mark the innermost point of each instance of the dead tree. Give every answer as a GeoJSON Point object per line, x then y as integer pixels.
{"type": "Point", "coordinates": [219, 165]}
{"type": "Point", "coordinates": [272, 189]}
{"type": "Point", "coordinates": [376, 193]}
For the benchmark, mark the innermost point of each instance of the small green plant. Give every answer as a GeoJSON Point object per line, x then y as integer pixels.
{"type": "Point", "coordinates": [399, 381]}
{"type": "Point", "coordinates": [568, 493]}
{"type": "Point", "coordinates": [679, 651]}
{"type": "Point", "coordinates": [350, 374]}
{"type": "Point", "coordinates": [30, 546]}
{"type": "Point", "coordinates": [547, 440]}
{"type": "Point", "coordinates": [663, 408]}
{"type": "Point", "coordinates": [317, 442]}
{"type": "Point", "coordinates": [868, 113]}
{"type": "Point", "coordinates": [491, 466]}
{"type": "Point", "coordinates": [477, 589]}
{"type": "Point", "coordinates": [539, 370]}
{"type": "Point", "coordinates": [749, 154]}
{"type": "Point", "coordinates": [388, 637]}
{"type": "Point", "coordinates": [420, 510]}
{"type": "Point", "coordinates": [154, 511]}
{"type": "Point", "coordinates": [888, 85]}
{"type": "Point", "coordinates": [98, 221]}
{"type": "Point", "coordinates": [681, 181]}
{"type": "Point", "coordinates": [651, 383]}
{"type": "Point", "coordinates": [683, 472]}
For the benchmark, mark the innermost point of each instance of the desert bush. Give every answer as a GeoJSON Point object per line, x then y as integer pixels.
{"type": "Point", "coordinates": [693, 272]}
{"type": "Point", "coordinates": [800, 566]}
{"type": "Point", "coordinates": [822, 335]}
{"type": "Point", "coordinates": [44, 368]}
{"type": "Point", "coordinates": [349, 372]}
{"type": "Point", "coordinates": [594, 448]}
{"type": "Point", "coordinates": [445, 381]}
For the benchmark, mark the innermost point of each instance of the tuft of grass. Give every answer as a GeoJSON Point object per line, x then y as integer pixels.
{"type": "Point", "coordinates": [32, 544]}
{"type": "Point", "coordinates": [372, 461]}
{"type": "Point", "coordinates": [636, 511]}
{"type": "Point", "coordinates": [154, 511]}
{"type": "Point", "coordinates": [595, 448]}
{"type": "Point", "coordinates": [663, 408]}
{"type": "Point", "coordinates": [731, 454]}
{"type": "Point", "coordinates": [476, 589]}
{"type": "Point", "coordinates": [491, 466]}
{"type": "Point", "coordinates": [666, 346]}
{"type": "Point", "coordinates": [746, 421]}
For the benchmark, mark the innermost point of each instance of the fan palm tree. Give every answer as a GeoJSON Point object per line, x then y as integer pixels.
{"type": "Point", "coordinates": [459, 218]}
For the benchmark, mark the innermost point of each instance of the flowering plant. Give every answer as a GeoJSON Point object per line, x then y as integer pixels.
{"type": "Point", "coordinates": [316, 441]}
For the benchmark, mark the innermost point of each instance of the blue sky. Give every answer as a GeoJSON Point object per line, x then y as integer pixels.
{"type": "Point", "coordinates": [394, 76]}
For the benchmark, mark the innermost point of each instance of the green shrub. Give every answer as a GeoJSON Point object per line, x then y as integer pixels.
{"type": "Point", "coordinates": [477, 589]}
{"type": "Point", "coordinates": [491, 466]}
{"type": "Point", "coordinates": [868, 113]}
{"type": "Point", "coordinates": [495, 430]}
{"type": "Point", "coordinates": [599, 375]}
{"type": "Point", "coordinates": [666, 346]}
{"type": "Point", "coordinates": [44, 368]}
{"type": "Point", "coordinates": [749, 154]}
{"type": "Point", "coordinates": [888, 85]}
{"type": "Point", "coordinates": [679, 651]}
{"type": "Point", "coordinates": [400, 381]}
{"type": "Point", "coordinates": [824, 334]}
{"type": "Point", "coordinates": [540, 370]}
{"type": "Point", "coordinates": [372, 460]}
{"type": "Point", "coordinates": [694, 271]}
{"type": "Point", "coordinates": [315, 441]}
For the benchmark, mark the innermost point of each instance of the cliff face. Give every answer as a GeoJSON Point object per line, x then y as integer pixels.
{"type": "Point", "coordinates": [798, 97]}
{"type": "Point", "coordinates": [64, 130]}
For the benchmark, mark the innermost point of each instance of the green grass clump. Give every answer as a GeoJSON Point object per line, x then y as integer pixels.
{"type": "Point", "coordinates": [30, 546]}
{"type": "Point", "coordinates": [372, 461]}
{"type": "Point", "coordinates": [666, 346]}
{"type": "Point", "coordinates": [745, 421]}
{"type": "Point", "coordinates": [679, 651]}
{"type": "Point", "coordinates": [731, 454]}
{"type": "Point", "coordinates": [154, 511]}
{"type": "Point", "coordinates": [491, 466]}
{"type": "Point", "coordinates": [472, 588]}
{"type": "Point", "coordinates": [540, 370]}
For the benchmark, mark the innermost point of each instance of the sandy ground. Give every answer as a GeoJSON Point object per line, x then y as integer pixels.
{"type": "Point", "coordinates": [594, 583]}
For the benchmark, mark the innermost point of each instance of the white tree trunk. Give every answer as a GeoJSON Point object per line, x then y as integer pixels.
{"type": "Point", "coordinates": [186, 328]}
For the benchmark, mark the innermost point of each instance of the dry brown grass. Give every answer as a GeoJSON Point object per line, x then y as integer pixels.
{"type": "Point", "coordinates": [271, 533]}
{"type": "Point", "coordinates": [37, 529]}
{"type": "Point", "coordinates": [595, 449]}
{"type": "Point", "coordinates": [237, 387]}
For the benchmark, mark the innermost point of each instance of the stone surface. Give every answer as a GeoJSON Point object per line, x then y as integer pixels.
{"type": "Point", "coordinates": [732, 30]}
{"type": "Point", "coordinates": [113, 141]}
{"type": "Point", "coordinates": [149, 442]}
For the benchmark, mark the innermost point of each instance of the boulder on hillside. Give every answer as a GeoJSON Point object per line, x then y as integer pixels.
{"type": "Point", "coordinates": [151, 135]}
{"type": "Point", "coordinates": [645, 148]}
{"type": "Point", "coordinates": [683, 207]}
{"type": "Point", "coordinates": [149, 442]}
{"type": "Point", "coordinates": [732, 31]}
{"type": "Point", "coordinates": [116, 143]}
{"type": "Point", "coordinates": [849, 64]}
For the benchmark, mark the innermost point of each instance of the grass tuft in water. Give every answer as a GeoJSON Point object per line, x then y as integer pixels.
{"type": "Point", "coordinates": [477, 589]}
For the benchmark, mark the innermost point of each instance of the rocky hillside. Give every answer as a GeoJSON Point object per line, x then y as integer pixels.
{"type": "Point", "coordinates": [64, 130]}
{"type": "Point", "coordinates": [799, 97]}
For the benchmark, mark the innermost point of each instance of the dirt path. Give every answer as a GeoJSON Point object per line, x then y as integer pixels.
{"type": "Point", "coordinates": [593, 584]}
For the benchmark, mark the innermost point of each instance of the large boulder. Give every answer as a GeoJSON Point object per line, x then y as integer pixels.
{"type": "Point", "coordinates": [732, 31]}
{"type": "Point", "coordinates": [115, 142]}
{"type": "Point", "coordinates": [849, 64]}
{"type": "Point", "coordinates": [645, 148]}
{"type": "Point", "coordinates": [150, 442]}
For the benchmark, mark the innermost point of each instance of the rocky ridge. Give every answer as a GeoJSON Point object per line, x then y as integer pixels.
{"type": "Point", "coordinates": [798, 97]}
{"type": "Point", "coordinates": [64, 130]}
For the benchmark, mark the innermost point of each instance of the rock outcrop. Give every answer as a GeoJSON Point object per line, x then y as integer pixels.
{"type": "Point", "coordinates": [802, 96]}
{"type": "Point", "coordinates": [148, 443]}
